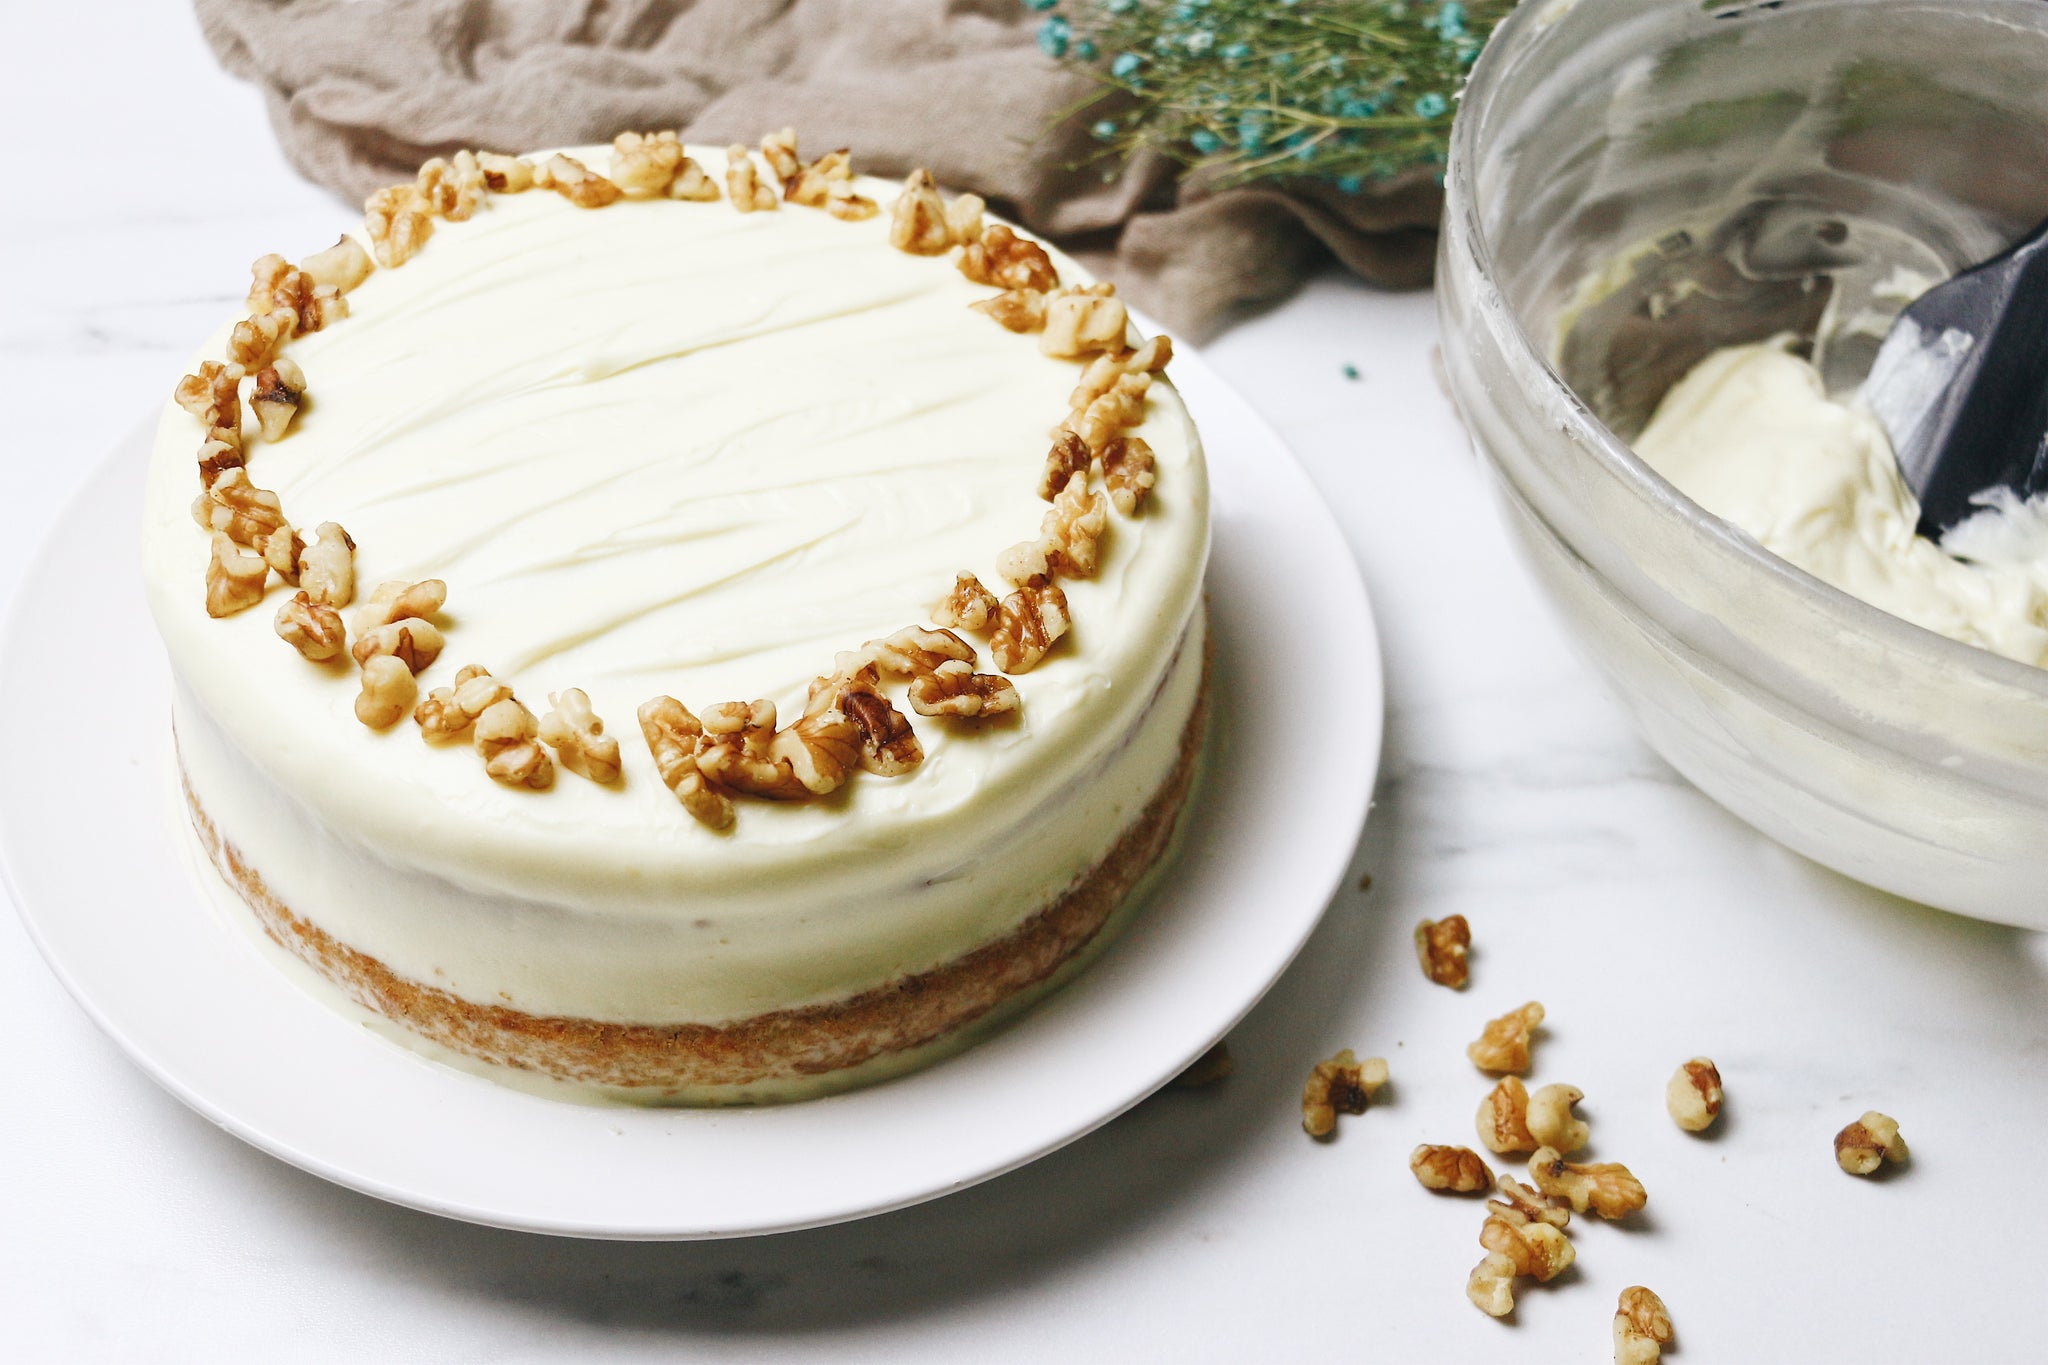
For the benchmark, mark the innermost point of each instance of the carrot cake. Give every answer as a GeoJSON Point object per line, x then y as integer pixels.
{"type": "Point", "coordinates": [700, 625]}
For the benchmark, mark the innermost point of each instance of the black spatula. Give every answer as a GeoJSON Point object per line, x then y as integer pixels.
{"type": "Point", "coordinates": [1961, 385]}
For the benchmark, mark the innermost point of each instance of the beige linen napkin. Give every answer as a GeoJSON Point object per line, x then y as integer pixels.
{"type": "Point", "coordinates": [361, 91]}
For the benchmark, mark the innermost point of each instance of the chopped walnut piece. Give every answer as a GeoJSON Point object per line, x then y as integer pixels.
{"type": "Point", "coordinates": [217, 457]}
{"type": "Point", "coordinates": [1067, 539]}
{"type": "Point", "coordinates": [300, 303]}
{"type": "Point", "coordinates": [963, 219]}
{"type": "Point", "coordinates": [1504, 1044]}
{"type": "Point", "coordinates": [505, 174]}
{"type": "Point", "coordinates": [581, 186]}
{"type": "Point", "coordinates": [275, 399]}
{"type": "Point", "coordinates": [388, 692]}
{"type": "Point", "coordinates": [396, 600]}
{"type": "Point", "coordinates": [312, 628]}
{"type": "Point", "coordinates": [1693, 1095]}
{"type": "Point", "coordinates": [274, 283]}
{"type": "Point", "coordinates": [1868, 1143]}
{"type": "Point", "coordinates": [508, 737]}
{"type": "Point", "coordinates": [693, 183]}
{"type": "Point", "coordinates": [1534, 1249]}
{"type": "Point", "coordinates": [737, 751]}
{"type": "Point", "coordinates": [246, 514]}
{"type": "Point", "coordinates": [888, 746]}
{"type": "Point", "coordinates": [254, 341]}
{"type": "Point", "coordinates": [843, 202]}
{"type": "Point", "coordinates": [673, 735]}
{"type": "Point", "coordinates": [411, 641]}
{"type": "Point", "coordinates": [955, 689]}
{"type": "Point", "coordinates": [1103, 372]}
{"type": "Point", "coordinates": [340, 267]}
{"type": "Point", "coordinates": [743, 183]}
{"type": "Point", "coordinates": [327, 567]}
{"type": "Point", "coordinates": [1069, 456]}
{"type": "Point", "coordinates": [823, 748]}
{"type": "Point", "coordinates": [1028, 622]}
{"type": "Point", "coordinates": [812, 185]}
{"type": "Point", "coordinates": [1082, 324]}
{"type": "Point", "coordinates": [235, 578]}
{"type": "Point", "coordinates": [214, 397]}
{"type": "Point", "coordinates": [1018, 310]}
{"type": "Point", "coordinates": [1129, 472]}
{"type": "Point", "coordinates": [1341, 1085]}
{"type": "Point", "coordinates": [1552, 1122]}
{"type": "Point", "coordinates": [447, 712]}
{"type": "Point", "coordinates": [1606, 1187]}
{"type": "Point", "coordinates": [914, 650]}
{"type": "Point", "coordinates": [1456, 1170]}
{"type": "Point", "coordinates": [1001, 258]}
{"type": "Point", "coordinates": [778, 149]}
{"type": "Point", "coordinates": [646, 163]}
{"type": "Point", "coordinates": [398, 220]}
{"type": "Point", "coordinates": [452, 187]}
{"type": "Point", "coordinates": [1523, 1235]}
{"type": "Point", "coordinates": [1113, 413]}
{"type": "Point", "coordinates": [1207, 1069]}
{"type": "Point", "coordinates": [1504, 1119]}
{"type": "Point", "coordinates": [917, 220]}
{"type": "Point", "coordinates": [969, 606]}
{"type": "Point", "coordinates": [1441, 946]}
{"type": "Point", "coordinates": [1491, 1285]}
{"type": "Point", "coordinates": [576, 734]}
{"type": "Point", "coordinates": [1642, 1327]}
{"type": "Point", "coordinates": [1520, 1204]}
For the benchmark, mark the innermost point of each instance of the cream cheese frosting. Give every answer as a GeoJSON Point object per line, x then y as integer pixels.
{"type": "Point", "coordinates": [671, 448]}
{"type": "Point", "coordinates": [1751, 435]}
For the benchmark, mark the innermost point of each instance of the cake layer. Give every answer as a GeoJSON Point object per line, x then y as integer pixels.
{"type": "Point", "coordinates": [667, 447]}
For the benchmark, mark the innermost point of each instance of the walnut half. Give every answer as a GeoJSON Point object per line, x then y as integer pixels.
{"type": "Point", "coordinates": [1455, 1170]}
{"type": "Point", "coordinates": [576, 734]}
{"type": "Point", "coordinates": [1642, 1327]}
{"type": "Point", "coordinates": [1503, 1120]}
{"type": "Point", "coordinates": [448, 712]}
{"type": "Point", "coordinates": [673, 736]}
{"type": "Point", "coordinates": [312, 628]}
{"type": "Point", "coordinates": [1028, 622]}
{"type": "Point", "coordinates": [1605, 1187]}
{"type": "Point", "coordinates": [508, 738]}
{"type": "Point", "coordinates": [1503, 1046]}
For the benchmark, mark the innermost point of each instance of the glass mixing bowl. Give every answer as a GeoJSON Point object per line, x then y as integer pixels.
{"type": "Point", "coordinates": [1635, 182]}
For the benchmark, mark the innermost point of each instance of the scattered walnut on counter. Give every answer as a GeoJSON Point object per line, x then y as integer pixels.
{"type": "Point", "coordinates": [998, 256]}
{"type": "Point", "coordinates": [1552, 1122]}
{"type": "Point", "coordinates": [505, 174]}
{"type": "Point", "coordinates": [1642, 1327]}
{"type": "Point", "coordinates": [448, 712]}
{"type": "Point", "coordinates": [1018, 310]}
{"type": "Point", "coordinates": [1503, 1120]}
{"type": "Point", "coordinates": [312, 628]}
{"type": "Point", "coordinates": [411, 641]}
{"type": "Point", "coordinates": [340, 267]}
{"type": "Point", "coordinates": [327, 567]}
{"type": "Point", "coordinates": [1606, 1187]}
{"type": "Point", "coordinates": [1342, 1085]}
{"type": "Point", "coordinates": [1207, 1069]}
{"type": "Point", "coordinates": [388, 692]}
{"type": "Point", "coordinates": [275, 399]}
{"type": "Point", "coordinates": [1068, 457]}
{"type": "Point", "coordinates": [1441, 945]}
{"type": "Point", "coordinates": [577, 736]}
{"type": "Point", "coordinates": [1693, 1095]}
{"type": "Point", "coordinates": [508, 738]}
{"type": "Point", "coordinates": [673, 736]}
{"type": "Point", "coordinates": [1455, 1170]}
{"type": "Point", "coordinates": [888, 746]}
{"type": "Point", "coordinates": [578, 184]}
{"type": "Point", "coordinates": [1868, 1143]}
{"type": "Point", "coordinates": [235, 578]}
{"type": "Point", "coordinates": [1078, 324]}
{"type": "Point", "coordinates": [1028, 622]}
{"type": "Point", "coordinates": [398, 220]}
{"type": "Point", "coordinates": [917, 220]}
{"type": "Point", "coordinates": [646, 163]}
{"type": "Point", "coordinates": [743, 183]}
{"type": "Point", "coordinates": [1129, 471]}
{"type": "Point", "coordinates": [1504, 1044]}
{"type": "Point", "coordinates": [395, 600]}
{"type": "Point", "coordinates": [970, 606]}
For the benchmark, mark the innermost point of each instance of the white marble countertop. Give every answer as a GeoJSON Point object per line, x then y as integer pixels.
{"type": "Point", "coordinates": [1202, 1226]}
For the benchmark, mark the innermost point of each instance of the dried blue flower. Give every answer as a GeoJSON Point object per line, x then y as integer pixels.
{"type": "Point", "coordinates": [1053, 36]}
{"type": "Point", "coordinates": [1126, 64]}
{"type": "Point", "coordinates": [1431, 105]}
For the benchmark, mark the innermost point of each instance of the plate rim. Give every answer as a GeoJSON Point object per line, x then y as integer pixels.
{"type": "Point", "coordinates": [1348, 603]}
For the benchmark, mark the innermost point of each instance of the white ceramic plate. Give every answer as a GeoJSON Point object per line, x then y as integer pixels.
{"type": "Point", "coordinates": [96, 864]}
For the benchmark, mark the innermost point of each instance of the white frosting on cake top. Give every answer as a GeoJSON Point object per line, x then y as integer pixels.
{"type": "Point", "coordinates": [668, 447]}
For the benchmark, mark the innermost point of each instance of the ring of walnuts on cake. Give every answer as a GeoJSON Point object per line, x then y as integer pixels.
{"type": "Point", "coordinates": [737, 748]}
